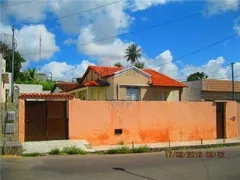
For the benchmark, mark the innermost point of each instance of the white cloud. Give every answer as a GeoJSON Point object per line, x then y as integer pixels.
{"type": "Point", "coordinates": [163, 64]}
{"type": "Point", "coordinates": [108, 19]}
{"type": "Point", "coordinates": [144, 4]}
{"type": "Point", "coordinates": [28, 41]}
{"type": "Point", "coordinates": [218, 6]}
{"type": "Point", "coordinates": [214, 68]}
{"type": "Point", "coordinates": [70, 42]}
{"type": "Point", "coordinates": [28, 12]}
{"type": "Point", "coordinates": [237, 25]}
{"type": "Point", "coordinates": [64, 71]}
{"type": "Point", "coordinates": [106, 53]}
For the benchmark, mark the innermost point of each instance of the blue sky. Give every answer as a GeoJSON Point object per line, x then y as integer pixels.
{"type": "Point", "coordinates": [62, 55]}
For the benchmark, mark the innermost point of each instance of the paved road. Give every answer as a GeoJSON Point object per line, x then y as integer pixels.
{"type": "Point", "coordinates": [152, 166]}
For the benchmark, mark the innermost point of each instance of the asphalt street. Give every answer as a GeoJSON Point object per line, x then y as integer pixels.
{"type": "Point", "coordinates": [149, 166]}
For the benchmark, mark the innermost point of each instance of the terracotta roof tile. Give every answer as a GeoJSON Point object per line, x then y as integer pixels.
{"type": "Point", "coordinates": [159, 79]}
{"type": "Point", "coordinates": [45, 96]}
{"type": "Point", "coordinates": [66, 85]}
{"type": "Point", "coordinates": [105, 70]}
{"type": "Point", "coordinates": [96, 83]}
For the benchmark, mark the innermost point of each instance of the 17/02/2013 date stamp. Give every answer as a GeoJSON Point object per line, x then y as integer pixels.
{"type": "Point", "coordinates": [195, 154]}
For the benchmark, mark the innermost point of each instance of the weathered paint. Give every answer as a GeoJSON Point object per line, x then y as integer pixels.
{"type": "Point", "coordinates": [21, 116]}
{"type": "Point", "coordinates": [146, 122]}
{"type": "Point", "coordinates": [238, 118]}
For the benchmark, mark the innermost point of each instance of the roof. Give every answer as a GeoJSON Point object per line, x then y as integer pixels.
{"type": "Point", "coordinates": [96, 83]}
{"type": "Point", "coordinates": [65, 85]}
{"type": "Point", "coordinates": [159, 79]}
{"type": "Point", "coordinates": [216, 85]}
{"type": "Point", "coordinates": [46, 96]}
{"type": "Point", "coordinates": [105, 71]}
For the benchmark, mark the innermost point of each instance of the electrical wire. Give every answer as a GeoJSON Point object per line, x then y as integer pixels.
{"type": "Point", "coordinates": [137, 31]}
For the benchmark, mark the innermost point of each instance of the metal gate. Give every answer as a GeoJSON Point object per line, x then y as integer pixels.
{"type": "Point", "coordinates": [45, 120]}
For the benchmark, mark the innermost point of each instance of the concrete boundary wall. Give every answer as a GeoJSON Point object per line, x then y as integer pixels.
{"type": "Point", "coordinates": [101, 122]}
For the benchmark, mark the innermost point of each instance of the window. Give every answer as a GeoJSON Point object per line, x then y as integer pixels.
{"type": "Point", "coordinates": [132, 93]}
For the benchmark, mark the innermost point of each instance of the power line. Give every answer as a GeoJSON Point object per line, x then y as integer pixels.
{"type": "Point", "coordinates": [15, 4]}
{"type": "Point", "coordinates": [199, 50]}
{"type": "Point", "coordinates": [81, 12]}
{"type": "Point", "coordinates": [137, 31]}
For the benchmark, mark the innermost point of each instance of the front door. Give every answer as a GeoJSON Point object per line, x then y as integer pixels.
{"type": "Point", "coordinates": [220, 120]}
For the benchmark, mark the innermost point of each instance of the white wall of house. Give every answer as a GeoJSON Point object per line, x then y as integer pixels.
{"type": "Point", "coordinates": [3, 75]}
{"type": "Point", "coordinates": [193, 91]}
{"type": "Point", "coordinates": [27, 88]}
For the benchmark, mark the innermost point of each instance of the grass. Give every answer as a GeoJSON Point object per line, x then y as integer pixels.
{"type": "Point", "coordinates": [55, 151]}
{"type": "Point", "coordinates": [126, 150]}
{"type": "Point", "coordinates": [34, 154]}
{"type": "Point", "coordinates": [73, 150]}
{"type": "Point", "coordinates": [141, 149]}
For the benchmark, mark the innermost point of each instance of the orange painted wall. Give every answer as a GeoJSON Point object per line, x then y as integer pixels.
{"type": "Point", "coordinates": [238, 119]}
{"type": "Point", "coordinates": [146, 122]}
{"type": "Point", "coordinates": [21, 120]}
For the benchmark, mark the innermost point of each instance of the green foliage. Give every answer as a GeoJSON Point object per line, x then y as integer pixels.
{"type": "Point", "coordinates": [141, 149]}
{"type": "Point", "coordinates": [126, 150]}
{"type": "Point", "coordinates": [29, 77]}
{"type": "Point", "coordinates": [55, 151]}
{"type": "Point", "coordinates": [118, 64]}
{"type": "Point", "coordinates": [73, 150]}
{"type": "Point", "coordinates": [133, 53]}
{"type": "Point", "coordinates": [197, 76]}
{"type": "Point", "coordinates": [139, 65]}
{"type": "Point", "coordinates": [18, 60]}
{"type": "Point", "coordinates": [121, 150]}
{"type": "Point", "coordinates": [34, 154]}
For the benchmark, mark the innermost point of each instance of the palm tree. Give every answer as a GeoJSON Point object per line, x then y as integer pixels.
{"type": "Point", "coordinates": [133, 53]}
{"type": "Point", "coordinates": [31, 73]}
{"type": "Point", "coordinates": [139, 65]}
{"type": "Point", "coordinates": [118, 64]}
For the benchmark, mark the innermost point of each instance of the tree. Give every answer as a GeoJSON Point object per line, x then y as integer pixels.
{"type": "Point", "coordinates": [18, 60]}
{"type": "Point", "coordinates": [118, 64]}
{"type": "Point", "coordinates": [197, 76]}
{"type": "Point", "coordinates": [139, 65]}
{"type": "Point", "coordinates": [133, 53]}
{"type": "Point", "coordinates": [31, 73]}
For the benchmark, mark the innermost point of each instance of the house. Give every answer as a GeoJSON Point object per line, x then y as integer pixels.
{"type": "Point", "coordinates": [62, 86]}
{"type": "Point", "coordinates": [115, 83]}
{"type": "Point", "coordinates": [4, 78]}
{"type": "Point", "coordinates": [210, 90]}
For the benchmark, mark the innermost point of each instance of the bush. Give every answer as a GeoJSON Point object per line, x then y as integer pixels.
{"type": "Point", "coordinates": [121, 150]}
{"type": "Point", "coordinates": [34, 154]}
{"type": "Point", "coordinates": [73, 150]}
{"type": "Point", "coordinates": [141, 149]}
{"type": "Point", "coordinates": [55, 151]}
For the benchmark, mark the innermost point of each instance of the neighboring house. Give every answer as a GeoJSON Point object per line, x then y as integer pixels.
{"type": "Point", "coordinates": [114, 83]}
{"type": "Point", "coordinates": [62, 86]}
{"type": "Point", "coordinates": [210, 90]}
{"type": "Point", "coordinates": [4, 78]}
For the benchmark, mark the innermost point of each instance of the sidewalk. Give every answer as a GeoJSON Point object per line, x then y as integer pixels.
{"type": "Point", "coordinates": [171, 144]}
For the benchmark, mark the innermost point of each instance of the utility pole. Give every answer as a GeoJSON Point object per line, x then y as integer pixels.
{"type": "Point", "coordinates": [233, 93]}
{"type": "Point", "coordinates": [12, 75]}
{"type": "Point", "coordinates": [40, 48]}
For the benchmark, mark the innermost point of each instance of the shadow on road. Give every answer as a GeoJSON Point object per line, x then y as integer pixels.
{"type": "Point", "coordinates": [123, 170]}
